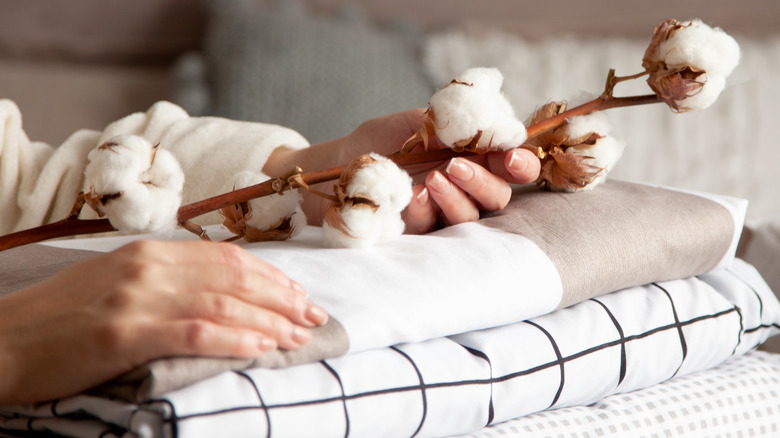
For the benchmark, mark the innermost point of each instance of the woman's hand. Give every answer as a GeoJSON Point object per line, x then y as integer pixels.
{"type": "Point", "coordinates": [144, 301]}
{"type": "Point", "coordinates": [454, 192]}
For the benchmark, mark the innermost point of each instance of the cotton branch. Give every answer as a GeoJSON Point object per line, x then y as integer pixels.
{"type": "Point", "coordinates": [71, 226]}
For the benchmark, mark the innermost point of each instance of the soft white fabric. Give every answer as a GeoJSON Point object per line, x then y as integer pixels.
{"type": "Point", "coordinates": [412, 288]}
{"type": "Point", "coordinates": [455, 385]}
{"type": "Point", "coordinates": [39, 182]}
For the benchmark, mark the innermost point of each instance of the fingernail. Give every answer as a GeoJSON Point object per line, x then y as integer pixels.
{"type": "Point", "coordinates": [266, 344]}
{"type": "Point", "coordinates": [300, 335]}
{"type": "Point", "coordinates": [298, 288]}
{"type": "Point", "coordinates": [517, 162]}
{"type": "Point", "coordinates": [459, 170]}
{"type": "Point", "coordinates": [315, 315]}
{"type": "Point", "coordinates": [422, 197]}
{"type": "Point", "coordinates": [439, 183]}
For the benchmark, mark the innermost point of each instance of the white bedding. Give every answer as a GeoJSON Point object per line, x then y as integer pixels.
{"type": "Point", "coordinates": [614, 344]}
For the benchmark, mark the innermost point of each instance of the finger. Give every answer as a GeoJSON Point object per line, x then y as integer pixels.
{"type": "Point", "coordinates": [488, 190]}
{"type": "Point", "coordinates": [251, 288]}
{"type": "Point", "coordinates": [203, 253]}
{"type": "Point", "coordinates": [227, 311]}
{"type": "Point", "coordinates": [518, 166]}
{"type": "Point", "coordinates": [204, 338]}
{"type": "Point", "coordinates": [455, 205]}
{"type": "Point", "coordinates": [420, 214]}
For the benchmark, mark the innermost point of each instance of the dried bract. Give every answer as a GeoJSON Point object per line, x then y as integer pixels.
{"type": "Point", "coordinates": [272, 217]}
{"type": "Point", "coordinates": [576, 155]}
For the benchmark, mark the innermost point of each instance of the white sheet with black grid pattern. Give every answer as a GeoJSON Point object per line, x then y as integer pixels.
{"type": "Point", "coordinates": [624, 341]}
{"type": "Point", "coordinates": [740, 398]}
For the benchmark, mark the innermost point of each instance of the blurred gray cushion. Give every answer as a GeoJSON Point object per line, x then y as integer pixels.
{"type": "Point", "coordinates": [319, 74]}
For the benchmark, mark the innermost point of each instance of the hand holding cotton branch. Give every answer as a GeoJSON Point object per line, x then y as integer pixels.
{"type": "Point", "coordinates": [687, 64]}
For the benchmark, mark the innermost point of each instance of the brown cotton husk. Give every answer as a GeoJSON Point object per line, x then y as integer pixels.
{"type": "Point", "coordinates": [235, 221]}
{"type": "Point", "coordinates": [423, 135]}
{"type": "Point", "coordinates": [661, 33]}
{"type": "Point", "coordinates": [96, 200]}
{"type": "Point", "coordinates": [562, 170]}
{"type": "Point", "coordinates": [567, 172]}
{"type": "Point", "coordinates": [670, 85]}
{"type": "Point", "coordinates": [674, 86]}
{"type": "Point", "coordinates": [333, 214]}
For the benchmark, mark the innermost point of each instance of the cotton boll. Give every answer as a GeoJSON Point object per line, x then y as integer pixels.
{"type": "Point", "coordinates": [372, 192]}
{"type": "Point", "coordinates": [136, 185]}
{"type": "Point", "coordinates": [689, 62]}
{"type": "Point", "coordinates": [702, 47]}
{"type": "Point", "coordinates": [471, 104]}
{"type": "Point", "coordinates": [384, 182]}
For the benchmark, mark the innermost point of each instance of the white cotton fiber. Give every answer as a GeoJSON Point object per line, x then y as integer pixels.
{"type": "Point", "coordinates": [365, 228]}
{"type": "Point", "coordinates": [384, 182]}
{"type": "Point", "coordinates": [135, 185]}
{"type": "Point", "coordinates": [473, 102]}
{"type": "Point", "coordinates": [579, 126]}
{"type": "Point", "coordinates": [386, 185]}
{"type": "Point", "coordinates": [267, 211]}
{"type": "Point", "coordinates": [702, 47]}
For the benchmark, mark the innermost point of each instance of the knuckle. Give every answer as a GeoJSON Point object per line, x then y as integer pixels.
{"type": "Point", "coordinates": [231, 254]}
{"type": "Point", "coordinates": [140, 249]}
{"type": "Point", "coordinates": [111, 336]}
{"type": "Point", "coordinates": [279, 327]}
{"type": "Point", "coordinates": [220, 308]}
{"type": "Point", "coordinates": [292, 304]}
{"type": "Point", "coordinates": [119, 300]}
{"type": "Point", "coordinates": [241, 279]}
{"type": "Point", "coordinates": [196, 335]}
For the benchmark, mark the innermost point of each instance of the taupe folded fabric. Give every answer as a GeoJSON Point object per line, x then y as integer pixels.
{"type": "Point", "coordinates": [163, 375]}
{"type": "Point", "coordinates": [619, 235]}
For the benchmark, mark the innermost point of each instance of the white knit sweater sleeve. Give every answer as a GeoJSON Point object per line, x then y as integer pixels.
{"type": "Point", "coordinates": [38, 182]}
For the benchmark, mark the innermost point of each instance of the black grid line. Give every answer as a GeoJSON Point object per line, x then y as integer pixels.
{"type": "Point", "coordinates": [482, 355]}
{"type": "Point", "coordinates": [560, 362]}
{"type": "Point", "coordinates": [344, 402]}
{"type": "Point", "coordinates": [683, 343]}
{"type": "Point", "coordinates": [260, 398]}
{"type": "Point", "coordinates": [742, 280]}
{"type": "Point", "coordinates": [470, 382]}
{"type": "Point", "coordinates": [422, 389]}
{"type": "Point", "coordinates": [619, 328]}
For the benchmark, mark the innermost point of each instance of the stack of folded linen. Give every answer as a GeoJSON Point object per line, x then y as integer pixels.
{"type": "Point", "coordinates": [560, 300]}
